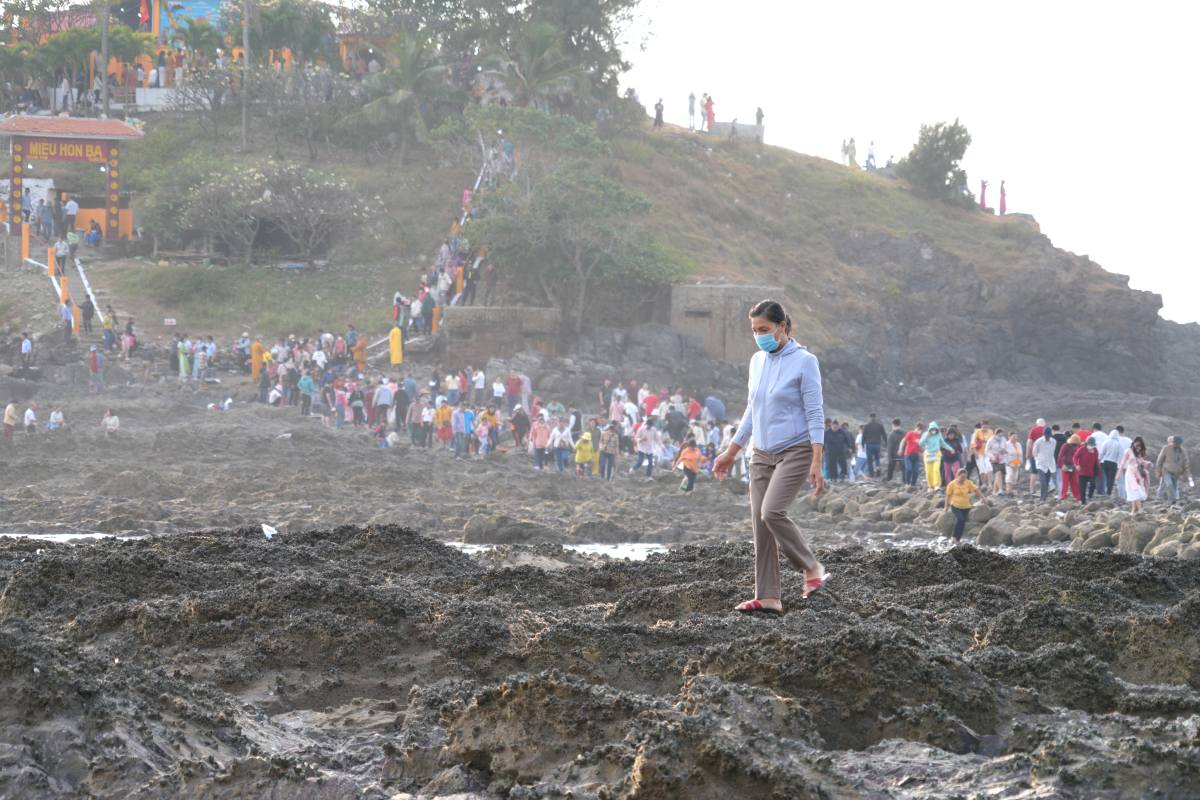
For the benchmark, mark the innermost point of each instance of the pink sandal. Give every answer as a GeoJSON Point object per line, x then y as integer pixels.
{"type": "Point", "coordinates": [812, 585]}
{"type": "Point", "coordinates": [750, 606]}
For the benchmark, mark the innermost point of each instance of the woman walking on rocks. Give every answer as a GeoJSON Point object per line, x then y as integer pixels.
{"type": "Point", "coordinates": [785, 413]}
{"type": "Point", "coordinates": [1135, 470]}
{"type": "Point", "coordinates": [958, 501]}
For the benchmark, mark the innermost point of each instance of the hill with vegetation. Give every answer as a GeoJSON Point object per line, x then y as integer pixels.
{"type": "Point", "coordinates": [898, 283]}
{"type": "Point", "coordinates": [890, 287]}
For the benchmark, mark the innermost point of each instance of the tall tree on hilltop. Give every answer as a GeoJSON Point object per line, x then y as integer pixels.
{"type": "Point", "coordinates": [412, 76]}
{"type": "Point", "coordinates": [535, 68]}
{"type": "Point", "coordinates": [932, 168]}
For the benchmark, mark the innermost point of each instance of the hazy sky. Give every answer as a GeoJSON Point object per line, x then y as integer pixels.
{"type": "Point", "coordinates": [1087, 109]}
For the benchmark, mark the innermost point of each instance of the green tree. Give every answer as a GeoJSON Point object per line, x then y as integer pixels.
{"type": "Point", "coordinates": [575, 229]}
{"type": "Point", "coordinates": [392, 115]}
{"type": "Point", "coordinates": [546, 140]}
{"type": "Point", "coordinates": [66, 54]}
{"type": "Point", "coordinates": [301, 26]}
{"type": "Point", "coordinates": [591, 30]}
{"type": "Point", "coordinates": [932, 168]}
{"type": "Point", "coordinates": [199, 36]}
{"type": "Point", "coordinates": [535, 67]}
{"type": "Point", "coordinates": [127, 45]}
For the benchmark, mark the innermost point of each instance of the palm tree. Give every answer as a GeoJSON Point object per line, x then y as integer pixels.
{"type": "Point", "coordinates": [66, 54]}
{"type": "Point", "coordinates": [536, 70]}
{"type": "Point", "coordinates": [127, 45]}
{"type": "Point", "coordinates": [199, 36]}
{"type": "Point", "coordinates": [396, 94]}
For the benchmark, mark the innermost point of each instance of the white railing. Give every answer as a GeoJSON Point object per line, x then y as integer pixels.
{"type": "Point", "coordinates": [87, 287]}
{"type": "Point", "coordinates": [54, 282]}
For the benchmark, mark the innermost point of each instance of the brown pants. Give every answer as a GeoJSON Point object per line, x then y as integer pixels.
{"type": "Point", "coordinates": [775, 480]}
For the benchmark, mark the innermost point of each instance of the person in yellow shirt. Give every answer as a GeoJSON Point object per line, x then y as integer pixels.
{"type": "Point", "coordinates": [359, 351]}
{"type": "Point", "coordinates": [958, 501]}
{"type": "Point", "coordinates": [441, 420]}
{"type": "Point", "coordinates": [256, 358]}
{"type": "Point", "coordinates": [583, 456]}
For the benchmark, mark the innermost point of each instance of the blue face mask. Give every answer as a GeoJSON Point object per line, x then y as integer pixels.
{"type": "Point", "coordinates": [766, 342]}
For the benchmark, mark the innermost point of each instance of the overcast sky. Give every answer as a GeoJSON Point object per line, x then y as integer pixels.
{"type": "Point", "coordinates": [1087, 109]}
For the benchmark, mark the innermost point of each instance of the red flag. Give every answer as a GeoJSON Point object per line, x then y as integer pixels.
{"type": "Point", "coordinates": [144, 14]}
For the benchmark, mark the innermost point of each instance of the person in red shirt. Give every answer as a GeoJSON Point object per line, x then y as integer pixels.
{"type": "Point", "coordinates": [1069, 480]}
{"type": "Point", "coordinates": [512, 390]}
{"type": "Point", "coordinates": [911, 447]}
{"type": "Point", "coordinates": [1087, 465]}
{"type": "Point", "coordinates": [693, 411]}
{"type": "Point", "coordinates": [650, 404]}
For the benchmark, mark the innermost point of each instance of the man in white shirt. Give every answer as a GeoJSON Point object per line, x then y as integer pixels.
{"type": "Point", "coordinates": [26, 351]}
{"type": "Point", "coordinates": [31, 418]}
{"type": "Point", "coordinates": [479, 381]}
{"type": "Point", "coordinates": [1110, 457]}
{"type": "Point", "coordinates": [1100, 438]}
{"type": "Point", "coordinates": [70, 211]}
{"type": "Point", "coordinates": [498, 392]}
{"type": "Point", "coordinates": [561, 444]}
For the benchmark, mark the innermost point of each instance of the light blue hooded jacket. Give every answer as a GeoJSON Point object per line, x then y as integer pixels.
{"type": "Point", "coordinates": [785, 406]}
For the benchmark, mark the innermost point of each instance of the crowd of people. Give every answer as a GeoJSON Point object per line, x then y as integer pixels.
{"type": "Point", "coordinates": [1074, 462]}
{"type": "Point", "coordinates": [468, 412]}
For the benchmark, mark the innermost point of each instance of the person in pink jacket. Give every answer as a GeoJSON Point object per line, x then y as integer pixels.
{"type": "Point", "coordinates": [539, 440]}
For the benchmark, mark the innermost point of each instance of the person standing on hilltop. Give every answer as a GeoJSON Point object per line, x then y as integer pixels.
{"type": "Point", "coordinates": [658, 113]}
{"type": "Point", "coordinates": [983, 195]}
{"type": "Point", "coordinates": [852, 153]}
{"type": "Point", "coordinates": [785, 415]}
{"type": "Point", "coordinates": [692, 111]}
{"type": "Point", "coordinates": [709, 115]}
{"type": "Point", "coordinates": [1003, 200]}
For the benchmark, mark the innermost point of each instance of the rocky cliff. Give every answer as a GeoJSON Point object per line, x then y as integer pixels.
{"type": "Point", "coordinates": [923, 317]}
{"type": "Point", "coordinates": [891, 289]}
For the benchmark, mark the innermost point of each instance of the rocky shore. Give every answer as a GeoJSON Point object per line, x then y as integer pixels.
{"type": "Point", "coordinates": [1019, 520]}
{"type": "Point", "coordinates": [375, 662]}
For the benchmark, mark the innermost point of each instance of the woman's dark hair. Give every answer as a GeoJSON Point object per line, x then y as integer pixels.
{"type": "Point", "coordinates": [774, 312]}
{"type": "Point", "coordinates": [1139, 446]}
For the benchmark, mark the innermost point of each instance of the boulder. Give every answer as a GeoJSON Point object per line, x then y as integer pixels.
{"type": "Point", "coordinates": [1168, 549]}
{"type": "Point", "coordinates": [1027, 535]}
{"type": "Point", "coordinates": [944, 523]}
{"type": "Point", "coordinates": [998, 531]}
{"type": "Point", "coordinates": [903, 514]}
{"type": "Point", "coordinates": [1191, 552]}
{"type": "Point", "coordinates": [983, 513]}
{"type": "Point", "coordinates": [1134, 536]}
{"type": "Point", "coordinates": [1098, 541]}
{"type": "Point", "coordinates": [1059, 533]}
{"type": "Point", "coordinates": [1164, 534]}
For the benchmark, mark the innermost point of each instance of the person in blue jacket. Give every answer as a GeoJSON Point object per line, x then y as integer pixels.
{"type": "Point", "coordinates": [785, 414]}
